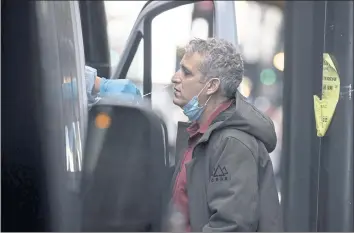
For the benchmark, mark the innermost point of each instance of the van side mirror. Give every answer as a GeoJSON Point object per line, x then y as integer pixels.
{"type": "Point", "coordinates": [125, 169]}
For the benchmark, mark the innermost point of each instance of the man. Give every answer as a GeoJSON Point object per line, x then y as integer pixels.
{"type": "Point", "coordinates": [97, 87]}
{"type": "Point", "coordinates": [224, 180]}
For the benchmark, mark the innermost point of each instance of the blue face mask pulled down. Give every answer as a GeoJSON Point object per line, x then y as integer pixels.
{"type": "Point", "coordinates": [192, 109]}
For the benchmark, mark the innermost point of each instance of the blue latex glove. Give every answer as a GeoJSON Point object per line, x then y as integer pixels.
{"type": "Point", "coordinates": [123, 89]}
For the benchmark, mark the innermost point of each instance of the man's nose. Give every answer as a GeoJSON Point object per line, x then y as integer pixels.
{"type": "Point", "coordinates": [176, 78]}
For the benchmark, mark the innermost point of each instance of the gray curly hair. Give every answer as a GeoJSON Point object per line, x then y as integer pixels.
{"type": "Point", "coordinates": [221, 60]}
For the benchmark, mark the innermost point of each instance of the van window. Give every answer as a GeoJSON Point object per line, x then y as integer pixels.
{"type": "Point", "coordinates": [121, 16]}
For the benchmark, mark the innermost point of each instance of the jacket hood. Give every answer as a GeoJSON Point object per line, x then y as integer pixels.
{"type": "Point", "coordinates": [245, 117]}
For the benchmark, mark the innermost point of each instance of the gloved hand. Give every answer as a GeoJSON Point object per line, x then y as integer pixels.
{"type": "Point", "coordinates": [90, 77]}
{"type": "Point", "coordinates": [123, 89]}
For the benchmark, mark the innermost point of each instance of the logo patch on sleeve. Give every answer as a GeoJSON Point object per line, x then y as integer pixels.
{"type": "Point", "coordinates": [220, 174]}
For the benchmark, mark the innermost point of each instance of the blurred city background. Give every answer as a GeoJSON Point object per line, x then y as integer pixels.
{"type": "Point", "coordinates": [260, 37]}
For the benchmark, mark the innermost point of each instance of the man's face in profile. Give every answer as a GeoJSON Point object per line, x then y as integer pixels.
{"type": "Point", "coordinates": [187, 80]}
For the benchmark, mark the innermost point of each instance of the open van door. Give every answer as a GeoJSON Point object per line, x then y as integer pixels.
{"type": "Point", "coordinates": [224, 14]}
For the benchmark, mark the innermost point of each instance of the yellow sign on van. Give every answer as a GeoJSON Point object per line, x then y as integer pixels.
{"type": "Point", "coordinates": [325, 107]}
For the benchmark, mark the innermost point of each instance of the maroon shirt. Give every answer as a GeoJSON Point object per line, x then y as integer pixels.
{"type": "Point", "coordinates": [180, 197]}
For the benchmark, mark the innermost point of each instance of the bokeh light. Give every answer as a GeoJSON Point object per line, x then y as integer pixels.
{"type": "Point", "coordinates": [268, 77]}
{"type": "Point", "coordinates": [278, 61]}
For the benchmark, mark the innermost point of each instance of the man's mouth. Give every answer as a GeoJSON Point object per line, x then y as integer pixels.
{"type": "Point", "coordinates": [176, 92]}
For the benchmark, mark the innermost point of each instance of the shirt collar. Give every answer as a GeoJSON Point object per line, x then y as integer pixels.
{"type": "Point", "coordinates": [195, 128]}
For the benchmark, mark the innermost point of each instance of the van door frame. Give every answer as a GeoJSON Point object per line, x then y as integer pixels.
{"type": "Point", "coordinates": [142, 30]}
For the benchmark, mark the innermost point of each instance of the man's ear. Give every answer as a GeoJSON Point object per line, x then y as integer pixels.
{"type": "Point", "coordinates": [213, 86]}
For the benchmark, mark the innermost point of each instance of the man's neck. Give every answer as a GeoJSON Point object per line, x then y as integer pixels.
{"type": "Point", "coordinates": [210, 108]}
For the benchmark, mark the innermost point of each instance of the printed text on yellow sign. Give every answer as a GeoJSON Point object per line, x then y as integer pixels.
{"type": "Point", "coordinates": [325, 107]}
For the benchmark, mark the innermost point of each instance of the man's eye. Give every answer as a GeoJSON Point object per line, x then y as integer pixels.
{"type": "Point", "coordinates": [186, 72]}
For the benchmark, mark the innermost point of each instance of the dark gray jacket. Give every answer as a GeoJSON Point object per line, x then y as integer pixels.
{"type": "Point", "coordinates": [230, 180]}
